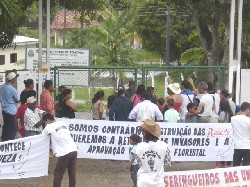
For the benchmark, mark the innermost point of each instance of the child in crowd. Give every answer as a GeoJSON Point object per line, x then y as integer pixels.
{"type": "Point", "coordinates": [133, 163]}
{"type": "Point", "coordinates": [191, 116]}
{"type": "Point", "coordinates": [171, 115]}
{"type": "Point", "coordinates": [161, 105]}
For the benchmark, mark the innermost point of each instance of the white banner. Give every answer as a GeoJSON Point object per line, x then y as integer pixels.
{"type": "Point", "coordinates": [222, 177]}
{"type": "Point", "coordinates": [187, 142]}
{"type": "Point", "coordinates": [24, 157]}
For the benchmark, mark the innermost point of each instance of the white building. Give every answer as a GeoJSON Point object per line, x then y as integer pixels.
{"type": "Point", "coordinates": [14, 57]}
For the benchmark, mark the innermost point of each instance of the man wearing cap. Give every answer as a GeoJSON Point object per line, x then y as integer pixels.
{"type": "Point", "coordinates": [131, 89]}
{"type": "Point", "coordinates": [33, 118]}
{"type": "Point", "coordinates": [9, 98]}
{"type": "Point", "coordinates": [146, 110]}
{"type": "Point", "coordinates": [46, 98]}
{"type": "Point", "coordinates": [152, 154]}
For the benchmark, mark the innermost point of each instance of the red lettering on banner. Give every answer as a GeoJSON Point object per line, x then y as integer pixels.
{"type": "Point", "coordinates": [217, 133]}
{"type": "Point", "coordinates": [245, 175]}
{"type": "Point", "coordinates": [231, 177]}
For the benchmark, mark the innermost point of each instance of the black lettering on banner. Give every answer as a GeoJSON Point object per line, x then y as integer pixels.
{"type": "Point", "coordinates": [189, 152]}
{"type": "Point", "coordinates": [8, 147]}
{"type": "Point", "coordinates": [217, 140]}
{"type": "Point", "coordinates": [190, 141]}
{"type": "Point", "coordinates": [112, 140]}
{"type": "Point", "coordinates": [122, 140]}
{"type": "Point", "coordinates": [226, 141]}
{"type": "Point", "coordinates": [82, 138]}
{"type": "Point", "coordinates": [199, 131]}
{"type": "Point", "coordinates": [164, 140]}
{"type": "Point", "coordinates": [106, 150]}
{"type": "Point", "coordinates": [83, 128]}
{"type": "Point", "coordinates": [8, 158]}
{"type": "Point", "coordinates": [121, 130]}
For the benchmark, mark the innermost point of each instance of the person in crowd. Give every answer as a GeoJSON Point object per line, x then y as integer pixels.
{"type": "Point", "coordinates": [58, 100]}
{"type": "Point", "coordinates": [133, 163]}
{"type": "Point", "coordinates": [121, 107]}
{"type": "Point", "coordinates": [110, 101]}
{"type": "Point", "coordinates": [131, 89]}
{"type": "Point", "coordinates": [187, 97]}
{"type": "Point", "coordinates": [9, 98]}
{"type": "Point", "coordinates": [28, 91]}
{"type": "Point", "coordinates": [224, 117]}
{"type": "Point", "coordinates": [174, 93]}
{"type": "Point", "coordinates": [161, 105]}
{"type": "Point", "coordinates": [151, 154]}
{"type": "Point", "coordinates": [46, 98]}
{"type": "Point", "coordinates": [216, 101]}
{"type": "Point", "coordinates": [63, 147]}
{"type": "Point", "coordinates": [138, 96]}
{"type": "Point", "coordinates": [68, 108]}
{"type": "Point", "coordinates": [241, 136]}
{"type": "Point", "coordinates": [151, 90]}
{"type": "Point", "coordinates": [191, 115]}
{"type": "Point", "coordinates": [224, 94]}
{"type": "Point", "coordinates": [20, 116]}
{"type": "Point", "coordinates": [204, 110]}
{"type": "Point", "coordinates": [146, 110]}
{"type": "Point", "coordinates": [97, 105]}
{"type": "Point", "coordinates": [33, 118]}
{"type": "Point", "coordinates": [171, 115]}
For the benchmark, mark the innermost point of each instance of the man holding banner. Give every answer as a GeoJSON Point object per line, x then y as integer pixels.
{"type": "Point", "coordinates": [63, 147]}
{"type": "Point", "coordinates": [241, 129]}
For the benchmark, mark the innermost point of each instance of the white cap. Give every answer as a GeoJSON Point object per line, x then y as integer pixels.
{"type": "Point", "coordinates": [31, 99]}
{"type": "Point", "coordinates": [12, 75]}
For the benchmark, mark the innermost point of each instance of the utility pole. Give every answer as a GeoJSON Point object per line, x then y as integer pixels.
{"type": "Point", "coordinates": [167, 37]}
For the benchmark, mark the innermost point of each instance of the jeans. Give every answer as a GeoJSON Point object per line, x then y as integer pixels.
{"type": "Point", "coordinates": [66, 161]}
{"type": "Point", "coordinates": [9, 128]}
{"type": "Point", "coordinates": [133, 171]}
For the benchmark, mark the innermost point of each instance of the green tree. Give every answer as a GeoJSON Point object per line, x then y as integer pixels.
{"type": "Point", "coordinates": [110, 40]}
{"type": "Point", "coordinates": [12, 16]}
{"type": "Point", "coordinates": [151, 22]}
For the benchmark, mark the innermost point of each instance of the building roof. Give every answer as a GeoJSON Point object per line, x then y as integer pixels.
{"type": "Point", "coordinates": [23, 40]}
{"type": "Point", "coordinates": [72, 20]}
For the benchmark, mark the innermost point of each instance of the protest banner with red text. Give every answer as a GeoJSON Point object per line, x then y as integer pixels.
{"type": "Point", "coordinates": [221, 177]}
{"type": "Point", "coordinates": [100, 139]}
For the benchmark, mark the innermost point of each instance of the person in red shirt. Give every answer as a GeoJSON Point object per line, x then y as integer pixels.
{"type": "Point", "coordinates": [46, 98]}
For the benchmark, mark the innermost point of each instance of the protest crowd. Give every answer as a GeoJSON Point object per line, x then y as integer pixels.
{"type": "Point", "coordinates": [185, 103]}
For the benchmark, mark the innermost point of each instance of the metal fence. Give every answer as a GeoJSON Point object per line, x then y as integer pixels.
{"type": "Point", "coordinates": [155, 76]}
{"type": "Point", "coordinates": [86, 81]}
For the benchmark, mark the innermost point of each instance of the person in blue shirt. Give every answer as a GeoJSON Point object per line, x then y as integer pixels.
{"type": "Point", "coordinates": [9, 98]}
{"type": "Point", "coordinates": [121, 107]}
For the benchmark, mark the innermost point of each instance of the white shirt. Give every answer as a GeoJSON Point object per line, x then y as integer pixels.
{"type": "Point", "coordinates": [151, 158]}
{"type": "Point", "coordinates": [241, 131]}
{"type": "Point", "coordinates": [146, 110]}
{"type": "Point", "coordinates": [61, 140]}
{"type": "Point", "coordinates": [208, 101]}
{"type": "Point", "coordinates": [131, 152]}
{"type": "Point", "coordinates": [31, 118]}
{"type": "Point", "coordinates": [232, 106]}
{"type": "Point", "coordinates": [187, 97]}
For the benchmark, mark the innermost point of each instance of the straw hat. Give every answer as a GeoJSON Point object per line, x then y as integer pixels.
{"type": "Point", "coordinates": [151, 127]}
{"type": "Point", "coordinates": [175, 88]}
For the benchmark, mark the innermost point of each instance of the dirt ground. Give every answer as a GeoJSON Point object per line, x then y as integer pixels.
{"type": "Point", "coordinates": [99, 173]}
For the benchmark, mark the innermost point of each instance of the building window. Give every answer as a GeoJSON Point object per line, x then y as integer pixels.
{"type": "Point", "coordinates": [2, 59]}
{"type": "Point", "coordinates": [13, 57]}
